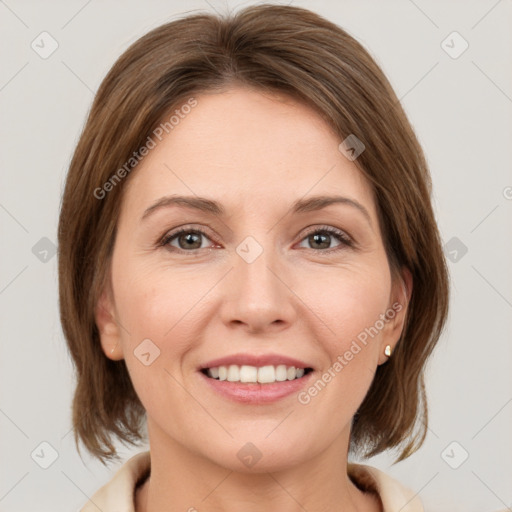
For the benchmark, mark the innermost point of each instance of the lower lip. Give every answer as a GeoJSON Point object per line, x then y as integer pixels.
{"type": "Point", "coordinates": [256, 393]}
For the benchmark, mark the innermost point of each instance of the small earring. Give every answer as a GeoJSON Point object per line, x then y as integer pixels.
{"type": "Point", "coordinates": [112, 351]}
{"type": "Point", "coordinates": [387, 350]}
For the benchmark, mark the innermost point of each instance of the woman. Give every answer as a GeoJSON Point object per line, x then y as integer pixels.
{"type": "Point", "coordinates": [250, 267]}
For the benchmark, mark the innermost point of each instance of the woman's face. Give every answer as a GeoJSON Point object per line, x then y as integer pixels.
{"type": "Point", "coordinates": [261, 278]}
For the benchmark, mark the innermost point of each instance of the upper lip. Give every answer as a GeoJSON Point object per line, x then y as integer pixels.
{"type": "Point", "coordinates": [255, 360]}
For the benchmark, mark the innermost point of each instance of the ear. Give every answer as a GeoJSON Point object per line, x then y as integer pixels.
{"type": "Point", "coordinates": [108, 328]}
{"type": "Point", "coordinates": [396, 313]}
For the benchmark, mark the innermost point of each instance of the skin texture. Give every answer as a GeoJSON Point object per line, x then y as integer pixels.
{"type": "Point", "coordinates": [256, 154]}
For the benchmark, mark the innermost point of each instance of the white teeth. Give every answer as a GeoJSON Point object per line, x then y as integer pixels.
{"type": "Point", "coordinates": [264, 374]}
{"type": "Point", "coordinates": [281, 372]}
{"type": "Point", "coordinates": [233, 373]}
{"type": "Point", "coordinates": [248, 374]}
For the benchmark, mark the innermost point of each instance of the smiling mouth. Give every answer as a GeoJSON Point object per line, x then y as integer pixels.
{"type": "Point", "coordinates": [246, 374]}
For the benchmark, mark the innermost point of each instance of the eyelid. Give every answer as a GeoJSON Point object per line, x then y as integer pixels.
{"type": "Point", "coordinates": [169, 235]}
{"type": "Point", "coordinates": [346, 240]}
{"type": "Point", "coordinates": [345, 237]}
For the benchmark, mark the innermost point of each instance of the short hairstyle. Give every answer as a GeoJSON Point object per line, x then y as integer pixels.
{"type": "Point", "coordinates": [268, 48]}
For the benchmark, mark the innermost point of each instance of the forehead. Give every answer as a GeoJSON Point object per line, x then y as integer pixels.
{"type": "Point", "coordinates": [248, 150]}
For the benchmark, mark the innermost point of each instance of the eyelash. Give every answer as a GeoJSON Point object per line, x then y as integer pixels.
{"type": "Point", "coordinates": [346, 241]}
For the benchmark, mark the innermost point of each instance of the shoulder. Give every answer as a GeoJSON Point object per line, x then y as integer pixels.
{"type": "Point", "coordinates": [118, 493]}
{"type": "Point", "coordinates": [393, 495]}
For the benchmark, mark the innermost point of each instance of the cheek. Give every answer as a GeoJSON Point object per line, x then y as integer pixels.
{"type": "Point", "coordinates": [163, 307]}
{"type": "Point", "coordinates": [353, 305]}
{"type": "Point", "coordinates": [349, 334]}
{"type": "Point", "coordinates": [156, 334]}
{"type": "Point", "coordinates": [151, 301]}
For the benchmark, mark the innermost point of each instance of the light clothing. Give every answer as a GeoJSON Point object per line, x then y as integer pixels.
{"type": "Point", "coordinates": [118, 494]}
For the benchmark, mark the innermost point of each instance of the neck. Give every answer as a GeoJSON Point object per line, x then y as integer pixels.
{"type": "Point", "coordinates": [183, 480]}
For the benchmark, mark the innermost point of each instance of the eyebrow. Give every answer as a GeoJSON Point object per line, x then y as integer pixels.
{"type": "Point", "coordinates": [203, 204]}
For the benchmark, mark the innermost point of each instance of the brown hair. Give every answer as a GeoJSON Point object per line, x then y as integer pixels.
{"type": "Point", "coordinates": [274, 48]}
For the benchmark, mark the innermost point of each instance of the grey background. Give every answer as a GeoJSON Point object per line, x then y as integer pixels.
{"type": "Point", "coordinates": [461, 109]}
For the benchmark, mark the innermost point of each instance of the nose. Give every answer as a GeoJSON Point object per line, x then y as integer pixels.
{"type": "Point", "coordinates": [257, 295]}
